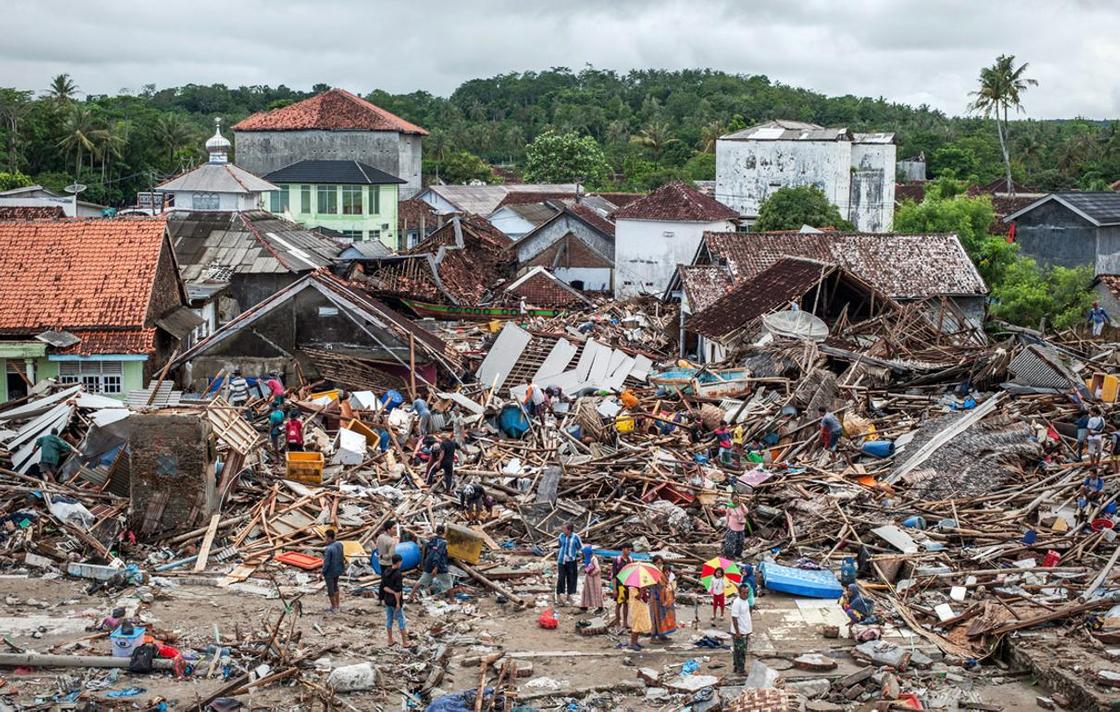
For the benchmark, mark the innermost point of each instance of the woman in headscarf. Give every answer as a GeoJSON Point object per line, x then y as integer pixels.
{"type": "Point", "coordinates": [592, 596]}
{"type": "Point", "coordinates": [662, 602]}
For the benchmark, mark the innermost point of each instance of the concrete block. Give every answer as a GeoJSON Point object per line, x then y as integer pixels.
{"type": "Point", "coordinates": [648, 675]}
{"type": "Point", "coordinates": [814, 662]}
{"type": "Point", "coordinates": [811, 689]}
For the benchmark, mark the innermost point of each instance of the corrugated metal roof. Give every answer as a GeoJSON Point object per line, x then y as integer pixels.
{"type": "Point", "coordinates": [245, 243]}
{"type": "Point", "coordinates": [1098, 208]}
{"type": "Point", "coordinates": [484, 199]}
{"type": "Point", "coordinates": [339, 172]}
{"type": "Point", "coordinates": [782, 130]}
{"type": "Point", "coordinates": [218, 178]}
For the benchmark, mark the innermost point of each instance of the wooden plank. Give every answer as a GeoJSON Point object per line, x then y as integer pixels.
{"type": "Point", "coordinates": [207, 541]}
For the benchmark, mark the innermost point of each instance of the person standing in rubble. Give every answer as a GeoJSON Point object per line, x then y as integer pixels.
{"type": "Point", "coordinates": [435, 575]}
{"type": "Point", "coordinates": [333, 567]}
{"type": "Point", "coordinates": [735, 513]}
{"type": "Point", "coordinates": [444, 460]}
{"type": "Point", "coordinates": [741, 628]}
{"type": "Point", "coordinates": [618, 591]}
{"type": "Point", "coordinates": [392, 596]}
{"type": "Point", "coordinates": [722, 435]}
{"type": "Point", "coordinates": [638, 618]}
{"type": "Point", "coordinates": [276, 427]}
{"type": "Point", "coordinates": [294, 431]}
{"type": "Point", "coordinates": [387, 541]}
{"type": "Point", "coordinates": [51, 449]}
{"type": "Point", "coordinates": [1098, 317]}
{"type": "Point", "coordinates": [830, 429]}
{"type": "Point", "coordinates": [592, 596]}
{"type": "Point", "coordinates": [567, 564]}
{"type": "Point", "coordinates": [1095, 439]}
{"type": "Point", "coordinates": [275, 388]}
{"type": "Point", "coordinates": [238, 389]}
{"type": "Point", "coordinates": [663, 601]}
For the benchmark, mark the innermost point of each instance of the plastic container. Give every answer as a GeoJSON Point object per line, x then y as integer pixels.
{"type": "Point", "coordinates": [392, 399]}
{"type": "Point", "coordinates": [463, 544]}
{"type": "Point", "coordinates": [878, 448]}
{"type": "Point", "coordinates": [1030, 537]}
{"type": "Point", "coordinates": [624, 424]}
{"type": "Point", "coordinates": [512, 420]}
{"type": "Point", "coordinates": [410, 557]}
{"type": "Point", "coordinates": [123, 644]}
{"type": "Point", "coordinates": [1051, 559]}
{"type": "Point", "coordinates": [306, 467]}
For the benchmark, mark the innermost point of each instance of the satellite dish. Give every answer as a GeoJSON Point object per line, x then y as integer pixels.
{"type": "Point", "coordinates": [75, 188]}
{"type": "Point", "coordinates": [796, 325]}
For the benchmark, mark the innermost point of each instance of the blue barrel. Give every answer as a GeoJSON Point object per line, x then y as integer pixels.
{"type": "Point", "coordinates": [391, 400]}
{"type": "Point", "coordinates": [512, 421]}
{"type": "Point", "coordinates": [410, 557]}
{"type": "Point", "coordinates": [878, 448]}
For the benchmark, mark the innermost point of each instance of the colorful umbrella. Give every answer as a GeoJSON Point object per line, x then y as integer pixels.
{"type": "Point", "coordinates": [639, 574]}
{"type": "Point", "coordinates": [731, 572]}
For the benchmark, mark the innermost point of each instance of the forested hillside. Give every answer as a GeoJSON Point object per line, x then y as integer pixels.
{"type": "Point", "coordinates": [652, 125]}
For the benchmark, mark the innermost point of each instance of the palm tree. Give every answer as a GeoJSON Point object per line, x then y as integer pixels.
{"type": "Point", "coordinates": [112, 144]}
{"type": "Point", "coordinates": [79, 134]}
{"type": "Point", "coordinates": [62, 89]}
{"type": "Point", "coordinates": [174, 133]}
{"type": "Point", "coordinates": [709, 134]}
{"type": "Point", "coordinates": [1001, 86]}
{"type": "Point", "coordinates": [656, 136]}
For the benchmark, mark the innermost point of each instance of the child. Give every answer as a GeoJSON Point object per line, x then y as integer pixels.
{"type": "Point", "coordinates": [716, 588]}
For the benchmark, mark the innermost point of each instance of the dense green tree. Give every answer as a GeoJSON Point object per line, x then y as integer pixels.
{"type": "Point", "coordinates": [79, 135]}
{"type": "Point", "coordinates": [465, 167]}
{"type": "Point", "coordinates": [790, 208]}
{"type": "Point", "coordinates": [565, 158]}
{"type": "Point", "coordinates": [10, 181]}
{"type": "Point", "coordinates": [969, 219]}
{"type": "Point", "coordinates": [1028, 295]}
{"type": "Point", "coordinates": [1001, 89]}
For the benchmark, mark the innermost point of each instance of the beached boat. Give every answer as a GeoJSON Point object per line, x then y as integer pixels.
{"type": "Point", "coordinates": [710, 383]}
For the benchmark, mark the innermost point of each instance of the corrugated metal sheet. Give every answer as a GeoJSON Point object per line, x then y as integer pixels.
{"type": "Point", "coordinates": [218, 178]}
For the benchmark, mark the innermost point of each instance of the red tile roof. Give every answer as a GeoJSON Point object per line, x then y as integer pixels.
{"type": "Point", "coordinates": [333, 110]}
{"type": "Point", "coordinates": [30, 212]}
{"type": "Point", "coordinates": [703, 285]}
{"type": "Point", "coordinates": [540, 288]}
{"type": "Point", "coordinates": [518, 197]}
{"type": "Point", "coordinates": [93, 277]}
{"type": "Point", "coordinates": [620, 199]}
{"type": "Point", "coordinates": [678, 202]}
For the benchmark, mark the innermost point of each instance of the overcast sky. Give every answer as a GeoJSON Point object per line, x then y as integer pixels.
{"type": "Point", "coordinates": [913, 51]}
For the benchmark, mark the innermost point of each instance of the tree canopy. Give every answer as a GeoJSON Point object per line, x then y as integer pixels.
{"type": "Point", "coordinates": [566, 158]}
{"type": "Point", "coordinates": [791, 208]}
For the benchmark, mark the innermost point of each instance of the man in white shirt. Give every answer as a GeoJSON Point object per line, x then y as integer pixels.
{"type": "Point", "coordinates": [741, 628]}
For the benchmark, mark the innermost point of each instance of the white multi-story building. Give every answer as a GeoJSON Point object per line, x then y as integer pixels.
{"type": "Point", "coordinates": [856, 171]}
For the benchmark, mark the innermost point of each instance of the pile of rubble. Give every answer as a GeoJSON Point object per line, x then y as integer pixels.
{"type": "Point", "coordinates": [954, 492]}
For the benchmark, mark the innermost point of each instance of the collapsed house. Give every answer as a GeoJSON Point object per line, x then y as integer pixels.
{"type": "Point", "coordinates": [576, 244]}
{"type": "Point", "coordinates": [91, 301]}
{"type": "Point", "coordinates": [322, 327]}
{"type": "Point", "coordinates": [254, 252]}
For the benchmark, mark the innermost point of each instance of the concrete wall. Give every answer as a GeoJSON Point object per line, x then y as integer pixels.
{"type": "Point", "coordinates": [171, 463]}
{"type": "Point", "coordinates": [262, 152]}
{"type": "Point", "coordinates": [1055, 235]}
{"type": "Point", "coordinates": [748, 172]}
{"type": "Point", "coordinates": [593, 279]}
{"type": "Point", "coordinates": [1108, 250]}
{"type": "Point", "coordinates": [871, 197]}
{"type": "Point", "coordinates": [227, 202]}
{"type": "Point", "coordinates": [647, 252]}
{"type": "Point", "coordinates": [248, 290]}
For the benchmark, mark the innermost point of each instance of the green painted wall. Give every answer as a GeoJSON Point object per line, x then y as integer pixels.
{"type": "Point", "coordinates": [132, 376]}
{"type": "Point", "coordinates": [368, 222]}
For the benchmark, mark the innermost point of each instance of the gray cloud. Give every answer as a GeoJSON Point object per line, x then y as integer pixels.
{"type": "Point", "coordinates": [914, 51]}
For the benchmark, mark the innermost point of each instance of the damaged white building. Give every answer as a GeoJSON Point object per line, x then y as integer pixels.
{"type": "Point", "coordinates": [855, 170]}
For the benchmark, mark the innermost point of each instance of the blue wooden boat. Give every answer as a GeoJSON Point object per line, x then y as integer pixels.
{"type": "Point", "coordinates": [801, 582]}
{"type": "Point", "coordinates": [717, 383]}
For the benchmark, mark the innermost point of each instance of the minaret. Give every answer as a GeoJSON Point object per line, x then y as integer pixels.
{"type": "Point", "coordinates": [218, 145]}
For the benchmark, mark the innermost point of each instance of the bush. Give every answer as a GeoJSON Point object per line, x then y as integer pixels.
{"type": "Point", "coordinates": [790, 208]}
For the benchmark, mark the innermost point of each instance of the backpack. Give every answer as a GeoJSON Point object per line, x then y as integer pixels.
{"type": "Point", "coordinates": [141, 659]}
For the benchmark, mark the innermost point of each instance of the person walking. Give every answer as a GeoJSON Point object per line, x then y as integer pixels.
{"type": "Point", "coordinates": [392, 595]}
{"type": "Point", "coordinates": [567, 563]}
{"type": "Point", "coordinates": [736, 515]}
{"type": "Point", "coordinates": [619, 592]}
{"type": "Point", "coordinates": [592, 596]}
{"type": "Point", "coordinates": [333, 566]}
{"type": "Point", "coordinates": [1098, 317]}
{"type": "Point", "coordinates": [741, 629]}
{"type": "Point", "coordinates": [1095, 440]}
{"type": "Point", "coordinates": [444, 462]}
{"type": "Point", "coordinates": [435, 576]}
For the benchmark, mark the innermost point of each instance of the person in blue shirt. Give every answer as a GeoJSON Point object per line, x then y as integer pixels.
{"type": "Point", "coordinates": [1098, 317]}
{"type": "Point", "coordinates": [276, 427]}
{"type": "Point", "coordinates": [830, 429]}
{"type": "Point", "coordinates": [435, 575]}
{"type": "Point", "coordinates": [1092, 487]}
{"type": "Point", "coordinates": [333, 566]}
{"type": "Point", "coordinates": [567, 565]}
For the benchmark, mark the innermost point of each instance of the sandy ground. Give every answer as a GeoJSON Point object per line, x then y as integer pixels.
{"type": "Point", "coordinates": [784, 627]}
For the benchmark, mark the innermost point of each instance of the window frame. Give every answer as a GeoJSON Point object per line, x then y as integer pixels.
{"type": "Point", "coordinates": [331, 192]}
{"type": "Point", "coordinates": [205, 201]}
{"type": "Point", "coordinates": [375, 200]}
{"type": "Point", "coordinates": [279, 201]}
{"type": "Point", "coordinates": [101, 377]}
{"type": "Point", "coordinates": [351, 194]}
{"type": "Point", "coordinates": [305, 199]}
